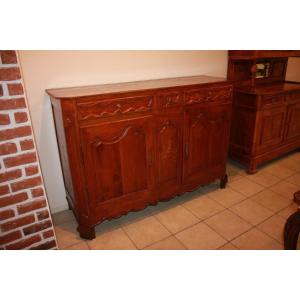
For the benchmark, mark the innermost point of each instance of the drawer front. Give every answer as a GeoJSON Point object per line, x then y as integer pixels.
{"type": "Point", "coordinates": [219, 95]}
{"type": "Point", "coordinates": [293, 97]}
{"type": "Point", "coordinates": [93, 110]}
{"type": "Point", "coordinates": [269, 101]}
{"type": "Point", "coordinates": [169, 100]}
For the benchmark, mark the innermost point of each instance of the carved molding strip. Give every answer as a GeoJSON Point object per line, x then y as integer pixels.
{"type": "Point", "coordinates": [89, 110]}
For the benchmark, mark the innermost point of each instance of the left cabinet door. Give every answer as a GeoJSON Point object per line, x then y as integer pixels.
{"type": "Point", "coordinates": [118, 162]}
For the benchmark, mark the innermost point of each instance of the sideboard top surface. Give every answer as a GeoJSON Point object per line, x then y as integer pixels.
{"type": "Point", "coordinates": [269, 89]}
{"type": "Point", "coordinates": [83, 91]}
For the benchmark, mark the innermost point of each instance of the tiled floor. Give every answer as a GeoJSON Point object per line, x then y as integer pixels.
{"type": "Point", "coordinates": [249, 214]}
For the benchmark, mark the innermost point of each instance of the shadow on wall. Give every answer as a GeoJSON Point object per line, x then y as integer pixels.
{"type": "Point", "coordinates": [50, 149]}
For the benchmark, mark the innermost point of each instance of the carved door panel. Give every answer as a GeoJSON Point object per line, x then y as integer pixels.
{"type": "Point", "coordinates": [271, 128]}
{"type": "Point", "coordinates": [118, 161]}
{"type": "Point", "coordinates": [169, 154]}
{"type": "Point", "coordinates": [293, 121]}
{"type": "Point", "coordinates": [206, 134]}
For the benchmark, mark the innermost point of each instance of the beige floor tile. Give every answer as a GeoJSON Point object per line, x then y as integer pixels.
{"type": "Point", "coordinates": [200, 236]}
{"type": "Point", "coordinates": [286, 212]}
{"type": "Point", "coordinates": [251, 211]}
{"type": "Point", "coordinates": [278, 170]}
{"type": "Point", "coordinates": [271, 200]}
{"type": "Point", "coordinates": [246, 187]}
{"type": "Point", "coordinates": [274, 227]}
{"type": "Point", "coordinates": [112, 240]}
{"type": "Point", "coordinates": [255, 239]}
{"type": "Point", "coordinates": [67, 235]}
{"type": "Point", "coordinates": [176, 218]}
{"type": "Point", "coordinates": [264, 178]}
{"type": "Point", "coordinates": [146, 231]}
{"type": "Point", "coordinates": [203, 207]}
{"type": "Point", "coordinates": [285, 189]}
{"type": "Point", "coordinates": [170, 243]}
{"type": "Point", "coordinates": [79, 246]}
{"type": "Point", "coordinates": [228, 246]}
{"type": "Point", "coordinates": [226, 197]}
{"type": "Point", "coordinates": [63, 217]}
{"type": "Point", "coordinates": [228, 224]}
{"type": "Point", "coordinates": [290, 163]}
{"type": "Point", "coordinates": [294, 179]}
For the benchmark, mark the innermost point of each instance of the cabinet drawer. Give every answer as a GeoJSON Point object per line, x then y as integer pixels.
{"type": "Point", "coordinates": [221, 95]}
{"type": "Point", "coordinates": [269, 101]}
{"type": "Point", "coordinates": [169, 100]}
{"type": "Point", "coordinates": [292, 97]}
{"type": "Point", "coordinates": [116, 107]}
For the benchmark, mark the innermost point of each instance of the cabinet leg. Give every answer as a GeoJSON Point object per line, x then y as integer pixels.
{"type": "Point", "coordinates": [252, 169]}
{"type": "Point", "coordinates": [87, 233]}
{"type": "Point", "coordinates": [223, 182]}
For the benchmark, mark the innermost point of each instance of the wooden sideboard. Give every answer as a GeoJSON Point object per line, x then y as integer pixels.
{"type": "Point", "coordinates": [266, 108]}
{"type": "Point", "coordinates": [129, 145]}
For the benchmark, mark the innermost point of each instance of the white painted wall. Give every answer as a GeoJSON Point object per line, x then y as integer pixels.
{"type": "Point", "coordinates": [54, 69]}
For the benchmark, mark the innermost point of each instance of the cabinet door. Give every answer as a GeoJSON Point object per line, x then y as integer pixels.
{"type": "Point", "coordinates": [118, 161]}
{"type": "Point", "coordinates": [270, 128]}
{"type": "Point", "coordinates": [293, 121]}
{"type": "Point", "coordinates": [169, 154]}
{"type": "Point", "coordinates": [206, 135]}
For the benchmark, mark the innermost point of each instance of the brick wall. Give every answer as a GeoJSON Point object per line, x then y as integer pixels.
{"type": "Point", "coordinates": [25, 221]}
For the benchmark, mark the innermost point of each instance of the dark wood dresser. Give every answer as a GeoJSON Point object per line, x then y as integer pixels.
{"type": "Point", "coordinates": [126, 146]}
{"type": "Point", "coordinates": [266, 108]}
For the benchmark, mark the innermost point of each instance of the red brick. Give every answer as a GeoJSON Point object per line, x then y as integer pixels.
{"type": "Point", "coordinates": [4, 190]}
{"type": "Point", "coordinates": [21, 117]}
{"type": "Point", "coordinates": [45, 246]}
{"type": "Point", "coordinates": [24, 243]}
{"type": "Point", "coordinates": [1, 90]}
{"type": "Point", "coordinates": [4, 119]}
{"type": "Point", "coordinates": [9, 134]}
{"type": "Point", "coordinates": [26, 144]}
{"type": "Point", "coordinates": [10, 237]}
{"type": "Point", "coordinates": [9, 175]}
{"type": "Point", "coordinates": [6, 214]}
{"type": "Point", "coordinates": [48, 233]}
{"type": "Point", "coordinates": [12, 199]}
{"type": "Point", "coordinates": [15, 89]}
{"type": "Point", "coordinates": [17, 223]}
{"type": "Point", "coordinates": [8, 148]}
{"type": "Point", "coordinates": [6, 104]}
{"type": "Point", "coordinates": [37, 192]}
{"type": "Point", "coordinates": [31, 170]}
{"type": "Point", "coordinates": [19, 160]}
{"type": "Point", "coordinates": [12, 73]}
{"type": "Point", "coordinates": [33, 205]}
{"type": "Point", "coordinates": [8, 56]}
{"type": "Point", "coordinates": [37, 227]}
{"type": "Point", "coordinates": [42, 215]}
{"type": "Point", "coordinates": [26, 183]}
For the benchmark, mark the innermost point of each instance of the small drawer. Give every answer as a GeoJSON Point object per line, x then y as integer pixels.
{"type": "Point", "coordinates": [114, 107]}
{"type": "Point", "coordinates": [271, 100]}
{"type": "Point", "coordinates": [169, 100]}
{"type": "Point", "coordinates": [221, 95]}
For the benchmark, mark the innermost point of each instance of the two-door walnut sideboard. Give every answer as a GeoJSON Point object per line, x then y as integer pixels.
{"type": "Point", "coordinates": [129, 145]}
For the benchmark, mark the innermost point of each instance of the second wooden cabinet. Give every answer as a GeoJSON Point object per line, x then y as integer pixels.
{"type": "Point", "coordinates": [123, 150]}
